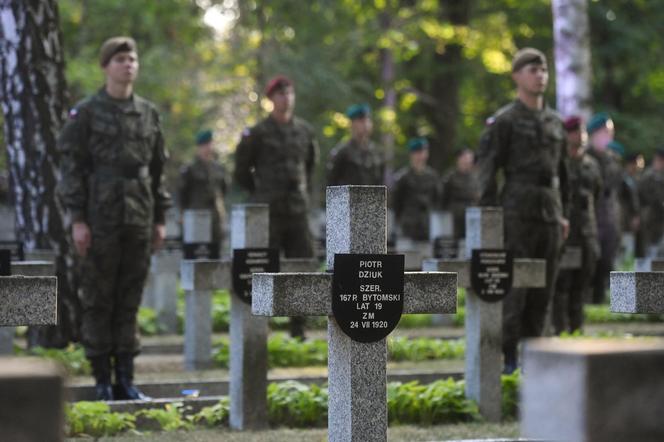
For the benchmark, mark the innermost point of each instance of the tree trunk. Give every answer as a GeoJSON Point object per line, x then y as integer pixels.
{"type": "Point", "coordinates": [572, 57]}
{"type": "Point", "coordinates": [387, 75]}
{"type": "Point", "coordinates": [33, 94]}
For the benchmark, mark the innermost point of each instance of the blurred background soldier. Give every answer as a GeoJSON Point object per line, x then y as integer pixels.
{"type": "Point", "coordinates": [651, 194]}
{"type": "Point", "coordinates": [601, 131]}
{"type": "Point", "coordinates": [527, 141]}
{"type": "Point", "coordinates": [460, 189]}
{"type": "Point", "coordinates": [274, 162]}
{"type": "Point", "coordinates": [585, 183]}
{"type": "Point", "coordinates": [415, 192]}
{"type": "Point", "coordinates": [628, 201]}
{"type": "Point", "coordinates": [112, 165]}
{"type": "Point", "coordinates": [203, 184]}
{"type": "Point", "coordinates": [357, 161]}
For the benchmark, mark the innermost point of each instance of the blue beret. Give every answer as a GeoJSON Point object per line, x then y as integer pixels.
{"type": "Point", "coordinates": [358, 111]}
{"type": "Point", "coordinates": [419, 143]}
{"type": "Point", "coordinates": [203, 137]}
{"type": "Point", "coordinates": [597, 122]}
{"type": "Point", "coordinates": [616, 147]}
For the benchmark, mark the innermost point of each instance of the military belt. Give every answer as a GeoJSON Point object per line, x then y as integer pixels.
{"type": "Point", "coordinates": [550, 182]}
{"type": "Point", "coordinates": [129, 172]}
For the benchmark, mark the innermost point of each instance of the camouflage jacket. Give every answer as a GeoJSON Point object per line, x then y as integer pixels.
{"type": "Point", "coordinates": [530, 147]}
{"type": "Point", "coordinates": [112, 163]}
{"type": "Point", "coordinates": [413, 197]}
{"type": "Point", "coordinates": [651, 195]}
{"type": "Point", "coordinates": [202, 185]}
{"type": "Point", "coordinates": [350, 163]}
{"type": "Point", "coordinates": [275, 162]}
{"type": "Point", "coordinates": [459, 190]}
{"type": "Point", "coordinates": [585, 189]}
{"type": "Point", "coordinates": [608, 205]}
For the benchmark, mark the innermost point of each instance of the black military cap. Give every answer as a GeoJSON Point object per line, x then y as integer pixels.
{"type": "Point", "coordinates": [114, 45]}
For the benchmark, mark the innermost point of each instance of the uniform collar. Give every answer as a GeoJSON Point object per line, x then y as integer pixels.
{"type": "Point", "coordinates": [129, 103]}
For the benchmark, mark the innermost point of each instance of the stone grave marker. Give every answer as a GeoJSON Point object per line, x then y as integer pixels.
{"type": "Point", "coordinates": [593, 390]}
{"type": "Point", "coordinates": [356, 225]}
{"type": "Point", "coordinates": [649, 265]}
{"type": "Point", "coordinates": [30, 390]}
{"type": "Point", "coordinates": [197, 235]}
{"type": "Point", "coordinates": [637, 292]}
{"type": "Point", "coordinates": [483, 321]}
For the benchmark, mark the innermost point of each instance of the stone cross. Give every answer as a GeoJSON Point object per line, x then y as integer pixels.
{"type": "Point", "coordinates": [160, 291]}
{"type": "Point", "coordinates": [483, 322]}
{"type": "Point", "coordinates": [356, 224]}
{"type": "Point", "coordinates": [22, 268]}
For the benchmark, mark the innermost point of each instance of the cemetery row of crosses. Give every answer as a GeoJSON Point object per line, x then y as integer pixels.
{"type": "Point", "coordinates": [572, 389]}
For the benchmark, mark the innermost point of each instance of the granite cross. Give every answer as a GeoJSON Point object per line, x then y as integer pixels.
{"type": "Point", "coordinates": [483, 321]}
{"type": "Point", "coordinates": [637, 292]}
{"type": "Point", "coordinates": [248, 333]}
{"type": "Point", "coordinates": [356, 225]}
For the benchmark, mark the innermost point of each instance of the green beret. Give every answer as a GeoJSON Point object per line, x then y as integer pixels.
{"type": "Point", "coordinates": [358, 111]}
{"type": "Point", "coordinates": [203, 137]}
{"type": "Point", "coordinates": [616, 147]}
{"type": "Point", "coordinates": [419, 143]}
{"type": "Point", "coordinates": [527, 56]}
{"type": "Point", "coordinates": [114, 45]}
{"type": "Point", "coordinates": [598, 121]}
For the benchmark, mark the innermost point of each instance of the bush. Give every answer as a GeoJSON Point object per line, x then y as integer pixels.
{"type": "Point", "coordinates": [215, 415]}
{"type": "Point", "coordinates": [95, 419]}
{"type": "Point", "coordinates": [602, 314]}
{"type": "Point", "coordinates": [422, 349]}
{"type": "Point", "coordinates": [147, 322]}
{"type": "Point", "coordinates": [510, 397]}
{"type": "Point", "coordinates": [72, 358]}
{"type": "Point", "coordinates": [170, 418]}
{"type": "Point", "coordinates": [294, 404]}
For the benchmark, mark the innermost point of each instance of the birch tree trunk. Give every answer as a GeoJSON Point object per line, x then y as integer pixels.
{"type": "Point", "coordinates": [387, 76]}
{"type": "Point", "coordinates": [33, 96]}
{"type": "Point", "coordinates": [572, 57]}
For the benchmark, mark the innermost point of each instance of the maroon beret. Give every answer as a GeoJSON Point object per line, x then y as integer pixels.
{"type": "Point", "coordinates": [277, 83]}
{"type": "Point", "coordinates": [572, 123]}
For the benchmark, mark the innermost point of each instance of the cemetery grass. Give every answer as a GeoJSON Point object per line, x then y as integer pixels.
{"type": "Point", "coordinates": [395, 433]}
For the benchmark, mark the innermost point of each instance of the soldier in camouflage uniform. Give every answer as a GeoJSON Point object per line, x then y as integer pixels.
{"type": "Point", "coordinates": [526, 140]}
{"type": "Point", "coordinates": [416, 191]}
{"type": "Point", "coordinates": [601, 132]}
{"type": "Point", "coordinates": [585, 182]}
{"type": "Point", "coordinates": [274, 162]}
{"type": "Point", "coordinates": [203, 184]}
{"type": "Point", "coordinates": [651, 193]}
{"type": "Point", "coordinates": [357, 161]}
{"type": "Point", "coordinates": [460, 190]}
{"type": "Point", "coordinates": [112, 165]}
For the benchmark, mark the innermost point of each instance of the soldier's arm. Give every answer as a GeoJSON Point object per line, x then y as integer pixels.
{"type": "Point", "coordinates": [563, 177]}
{"type": "Point", "coordinates": [244, 161]}
{"type": "Point", "coordinates": [333, 168]}
{"type": "Point", "coordinates": [398, 197]}
{"type": "Point", "coordinates": [75, 164]}
{"type": "Point", "coordinates": [183, 188]}
{"type": "Point", "coordinates": [162, 199]}
{"type": "Point", "coordinates": [312, 159]}
{"type": "Point", "coordinates": [491, 154]}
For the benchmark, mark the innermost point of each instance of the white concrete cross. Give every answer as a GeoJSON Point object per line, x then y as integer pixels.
{"type": "Point", "coordinates": [356, 224]}
{"type": "Point", "coordinates": [483, 321]}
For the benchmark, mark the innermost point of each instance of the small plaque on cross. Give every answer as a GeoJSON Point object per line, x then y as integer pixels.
{"type": "Point", "coordinates": [491, 273]}
{"type": "Point", "coordinates": [249, 261]}
{"type": "Point", "coordinates": [367, 294]}
{"type": "Point", "coordinates": [200, 251]}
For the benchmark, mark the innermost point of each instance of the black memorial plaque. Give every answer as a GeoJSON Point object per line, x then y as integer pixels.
{"type": "Point", "coordinates": [249, 261]}
{"type": "Point", "coordinates": [15, 248]}
{"type": "Point", "coordinates": [5, 262]}
{"type": "Point", "coordinates": [445, 247]}
{"type": "Point", "coordinates": [491, 273]}
{"type": "Point", "coordinates": [367, 294]}
{"type": "Point", "coordinates": [201, 250]}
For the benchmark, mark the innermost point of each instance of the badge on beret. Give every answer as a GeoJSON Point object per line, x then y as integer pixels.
{"type": "Point", "coordinates": [73, 113]}
{"type": "Point", "coordinates": [489, 121]}
{"type": "Point", "coordinates": [246, 132]}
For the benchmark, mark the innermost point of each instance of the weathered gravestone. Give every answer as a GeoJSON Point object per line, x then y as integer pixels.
{"type": "Point", "coordinates": [355, 303]}
{"type": "Point", "coordinates": [197, 240]}
{"type": "Point", "coordinates": [31, 391]}
{"type": "Point", "coordinates": [649, 265]}
{"type": "Point", "coordinates": [22, 268]}
{"type": "Point", "coordinates": [593, 390]}
{"type": "Point", "coordinates": [637, 292]}
{"type": "Point", "coordinates": [483, 321]}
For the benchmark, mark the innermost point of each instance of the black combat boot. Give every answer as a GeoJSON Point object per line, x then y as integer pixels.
{"type": "Point", "coordinates": [124, 377]}
{"type": "Point", "coordinates": [510, 360]}
{"type": "Point", "coordinates": [101, 370]}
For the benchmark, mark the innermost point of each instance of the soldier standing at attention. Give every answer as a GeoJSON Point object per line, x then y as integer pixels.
{"type": "Point", "coordinates": [203, 184]}
{"type": "Point", "coordinates": [460, 190]}
{"type": "Point", "coordinates": [274, 162]}
{"type": "Point", "coordinates": [112, 165]}
{"type": "Point", "coordinates": [526, 140]}
{"type": "Point", "coordinates": [585, 182]}
{"type": "Point", "coordinates": [415, 192]}
{"type": "Point", "coordinates": [357, 161]}
{"type": "Point", "coordinates": [601, 132]}
{"type": "Point", "coordinates": [651, 193]}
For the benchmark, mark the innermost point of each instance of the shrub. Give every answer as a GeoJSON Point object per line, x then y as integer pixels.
{"type": "Point", "coordinates": [96, 419]}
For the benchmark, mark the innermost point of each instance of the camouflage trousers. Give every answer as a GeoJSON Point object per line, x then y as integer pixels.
{"type": "Point", "coordinates": [112, 278]}
{"type": "Point", "coordinates": [571, 286]}
{"type": "Point", "coordinates": [524, 310]}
